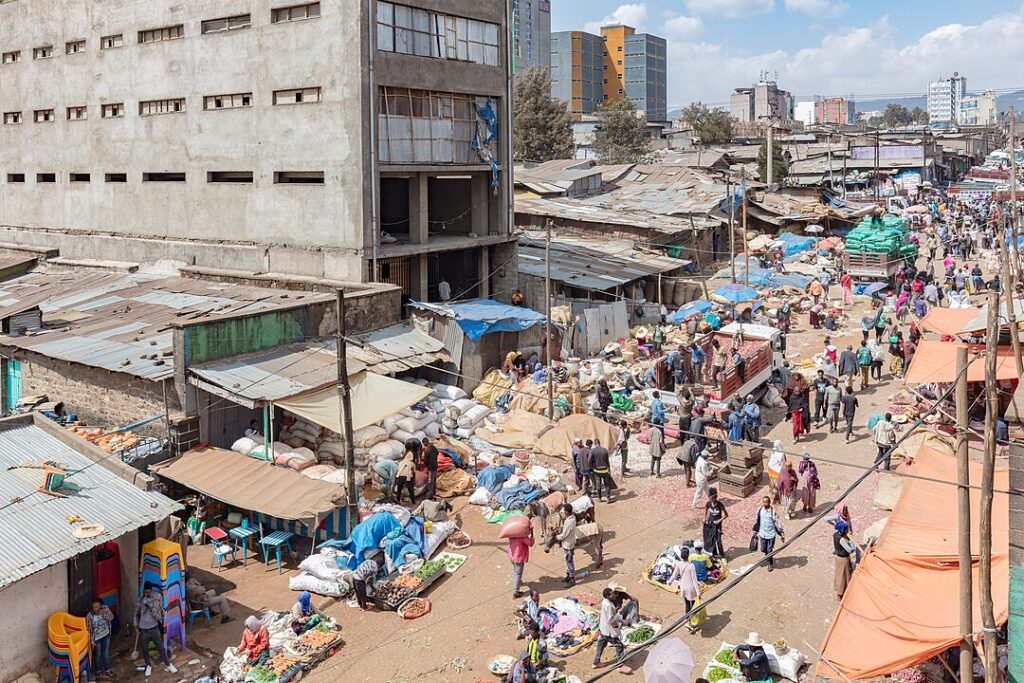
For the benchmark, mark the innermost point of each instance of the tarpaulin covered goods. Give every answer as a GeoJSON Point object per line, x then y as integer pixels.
{"type": "Point", "coordinates": [374, 397]}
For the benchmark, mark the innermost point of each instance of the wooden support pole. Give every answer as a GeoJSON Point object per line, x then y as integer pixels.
{"type": "Point", "coordinates": [988, 468]}
{"type": "Point", "coordinates": [963, 476]}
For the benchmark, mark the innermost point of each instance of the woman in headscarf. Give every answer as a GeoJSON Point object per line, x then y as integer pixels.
{"type": "Point", "coordinates": [787, 488]}
{"type": "Point", "coordinates": [735, 424]}
{"type": "Point", "coordinates": [843, 548]}
{"type": "Point", "coordinates": [776, 461]}
{"type": "Point", "coordinates": [901, 306]}
{"type": "Point", "coordinates": [809, 482]}
{"type": "Point", "coordinates": [840, 513]}
{"type": "Point", "coordinates": [896, 354]}
{"type": "Point", "coordinates": [303, 612]}
{"type": "Point", "coordinates": [255, 643]}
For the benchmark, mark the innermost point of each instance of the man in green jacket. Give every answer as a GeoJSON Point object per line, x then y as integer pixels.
{"type": "Point", "coordinates": [864, 363]}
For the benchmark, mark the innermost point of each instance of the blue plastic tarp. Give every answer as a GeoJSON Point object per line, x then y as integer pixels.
{"type": "Point", "coordinates": [477, 318]}
{"type": "Point", "coordinates": [367, 535]}
{"type": "Point", "coordinates": [699, 307]}
{"type": "Point", "coordinates": [794, 244]}
{"type": "Point", "coordinates": [736, 293]}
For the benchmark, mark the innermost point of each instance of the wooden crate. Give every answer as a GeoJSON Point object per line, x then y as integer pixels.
{"type": "Point", "coordinates": [739, 476]}
{"type": "Point", "coordinates": [745, 454]}
{"type": "Point", "coordinates": [740, 491]}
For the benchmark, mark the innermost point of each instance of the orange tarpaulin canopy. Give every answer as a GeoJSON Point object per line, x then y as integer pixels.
{"type": "Point", "coordinates": [948, 321]}
{"type": "Point", "coordinates": [901, 607]}
{"type": "Point", "coordinates": [935, 361]}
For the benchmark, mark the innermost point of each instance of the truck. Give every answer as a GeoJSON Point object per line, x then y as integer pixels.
{"type": "Point", "coordinates": [762, 350]}
{"type": "Point", "coordinates": [869, 265]}
{"type": "Point", "coordinates": [877, 247]}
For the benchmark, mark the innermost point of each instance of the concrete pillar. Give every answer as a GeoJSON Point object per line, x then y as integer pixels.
{"type": "Point", "coordinates": [419, 209]}
{"type": "Point", "coordinates": [419, 284]}
{"type": "Point", "coordinates": [479, 189]}
{"type": "Point", "coordinates": [485, 271]}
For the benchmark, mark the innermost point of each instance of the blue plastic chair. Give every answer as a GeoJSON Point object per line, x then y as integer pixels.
{"type": "Point", "coordinates": [193, 613]}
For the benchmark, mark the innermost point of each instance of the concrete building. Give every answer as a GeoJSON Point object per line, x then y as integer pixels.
{"type": "Point", "coordinates": [635, 69]}
{"type": "Point", "coordinates": [944, 96]}
{"type": "Point", "coordinates": [835, 110]}
{"type": "Point", "coordinates": [531, 33]}
{"type": "Point", "coordinates": [278, 136]}
{"type": "Point", "coordinates": [577, 70]}
{"type": "Point", "coordinates": [979, 110]}
{"type": "Point", "coordinates": [762, 102]}
{"type": "Point", "coordinates": [806, 112]}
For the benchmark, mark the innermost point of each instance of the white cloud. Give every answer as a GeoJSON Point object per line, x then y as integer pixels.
{"type": "Point", "coordinates": [631, 14]}
{"type": "Point", "coordinates": [732, 9]}
{"type": "Point", "coordinates": [863, 61]}
{"type": "Point", "coordinates": [817, 7]}
{"type": "Point", "coordinates": [682, 27]}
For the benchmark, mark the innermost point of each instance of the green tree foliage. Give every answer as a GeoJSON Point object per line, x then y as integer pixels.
{"type": "Point", "coordinates": [780, 167]}
{"type": "Point", "coordinates": [541, 126]}
{"type": "Point", "coordinates": [712, 126]}
{"type": "Point", "coordinates": [896, 115]}
{"type": "Point", "coordinates": [919, 115]}
{"type": "Point", "coordinates": [619, 138]}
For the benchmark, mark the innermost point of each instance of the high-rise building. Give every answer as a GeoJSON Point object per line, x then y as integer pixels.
{"type": "Point", "coordinates": [635, 69]}
{"type": "Point", "coordinates": [979, 110]}
{"type": "Point", "coordinates": [761, 103]}
{"type": "Point", "coordinates": [944, 96]}
{"type": "Point", "coordinates": [531, 33]}
{"type": "Point", "coordinates": [278, 136]}
{"type": "Point", "coordinates": [577, 70]}
{"type": "Point", "coordinates": [835, 110]}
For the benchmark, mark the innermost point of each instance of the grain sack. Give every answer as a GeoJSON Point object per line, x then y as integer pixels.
{"type": "Point", "coordinates": [473, 416]}
{"type": "Point", "coordinates": [463, 433]}
{"type": "Point", "coordinates": [385, 450]}
{"type": "Point", "coordinates": [465, 404]}
{"type": "Point", "coordinates": [432, 430]}
{"type": "Point", "coordinates": [452, 412]}
{"type": "Point", "coordinates": [368, 436]}
{"type": "Point", "coordinates": [407, 425]}
{"type": "Point", "coordinates": [402, 435]}
{"type": "Point", "coordinates": [245, 445]}
{"type": "Point", "coordinates": [429, 417]}
{"type": "Point", "coordinates": [448, 391]}
{"type": "Point", "coordinates": [318, 471]}
{"type": "Point", "coordinates": [389, 424]}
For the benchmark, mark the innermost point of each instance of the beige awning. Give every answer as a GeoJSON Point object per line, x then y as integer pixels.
{"type": "Point", "coordinates": [374, 397]}
{"type": "Point", "coordinates": [251, 484]}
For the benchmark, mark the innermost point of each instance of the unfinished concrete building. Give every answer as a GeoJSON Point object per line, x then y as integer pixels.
{"type": "Point", "coordinates": [347, 139]}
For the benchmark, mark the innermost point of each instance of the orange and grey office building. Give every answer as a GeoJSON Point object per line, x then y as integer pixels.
{"type": "Point", "coordinates": [588, 70]}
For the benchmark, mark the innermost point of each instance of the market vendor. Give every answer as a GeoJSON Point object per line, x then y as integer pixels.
{"type": "Point", "coordinates": [362, 578]}
{"type": "Point", "coordinates": [253, 432]}
{"type": "Point", "coordinates": [303, 612]}
{"type": "Point", "coordinates": [626, 605]}
{"type": "Point", "coordinates": [752, 659]}
{"type": "Point", "coordinates": [536, 650]}
{"type": "Point", "coordinates": [255, 643]}
{"type": "Point", "coordinates": [387, 470]}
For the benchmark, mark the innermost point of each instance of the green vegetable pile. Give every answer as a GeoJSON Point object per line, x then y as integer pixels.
{"type": "Point", "coordinates": [261, 674]}
{"type": "Point", "coordinates": [725, 657]}
{"type": "Point", "coordinates": [641, 635]}
{"type": "Point", "coordinates": [718, 674]}
{"type": "Point", "coordinates": [430, 568]}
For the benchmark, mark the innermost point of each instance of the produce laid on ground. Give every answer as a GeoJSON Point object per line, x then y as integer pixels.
{"type": "Point", "coordinates": [280, 663]}
{"type": "Point", "coordinates": [641, 634]}
{"type": "Point", "coordinates": [318, 639]}
{"type": "Point", "coordinates": [430, 568]}
{"type": "Point", "coordinates": [718, 674]}
{"type": "Point", "coordinates": [414, 608]}
{"type": "Point", "coordinates": [725, 657]}
{"type": "Point", "coordinates": [459, 540]}
{"type": "Point", "coordinates": [452, 561]}
{"type": "Point", "coordinates": [261, 674]}
{"type": "Point", "coordinates": [410, 581]}
{"type": "Point", "coordinates": [391, 591]}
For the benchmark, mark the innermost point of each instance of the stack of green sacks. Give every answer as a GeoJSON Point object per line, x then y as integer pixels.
{"type": "Point", "coordinates": [881, 235]}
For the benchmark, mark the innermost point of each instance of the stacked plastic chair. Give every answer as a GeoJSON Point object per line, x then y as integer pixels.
{"type": "Point", "coordinates": [162, 565]}
{"type": "Point", "coordinates": [106, 573]}
{"type": "Point", "coordinates": [67, 639]}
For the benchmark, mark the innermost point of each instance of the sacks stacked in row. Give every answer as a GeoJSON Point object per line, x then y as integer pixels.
{"type": "Point", "coordinates": [300, 433]}
{"type": "Point", "coordinates": [463, 416]}
{"type": "Point", "coordinates": [281, 453]}
{"type": "Point", "coordinates": [333, 475]}
{"type": "Point", "coordinates": [879, 236]}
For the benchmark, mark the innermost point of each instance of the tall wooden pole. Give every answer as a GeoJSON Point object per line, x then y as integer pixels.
{"type": "Point", "coordinates": [732, 228]}
{"type": "Point", "coordinates": [547, 311]}
{"type": "Point", "coordinates": [877, 193]}
{"type": "Point", "coordinates": [746, 250]}
{"type": "Point", "coordinates": [770, 157]}
{"type": "Point", "coordinates": [345, 414]}
{"type": "Point", "coordinates": [963, 480]}
{"type": "Point", "coordinates": [988, 468]}
{"type": "Point", "coordinates": [1013, 198]}
{"type": "Point", "coordinates": [1007, 287]}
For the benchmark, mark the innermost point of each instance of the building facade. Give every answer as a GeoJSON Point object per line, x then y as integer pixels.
{"type": "Point", "coordinates": [645, 76]}
{"type": "Point", "coordinates": [764, 101]}
{"type": "Point", "coordinates": [979, 110]}
{"type": "Point", "coordinates": [837, 110]}
{"type": "Point", "coordinates": [944, 97]}
{"type": "Point", "coordinates": [577, 70]}
{"type": "Point", "coordinates": [531, 34]}
{"type": "Point", "coordinates": [334, 139]}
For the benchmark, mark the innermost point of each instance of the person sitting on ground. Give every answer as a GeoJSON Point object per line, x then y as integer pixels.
{"type": "Point", "coordinates": [752, 659]}
{"type": "Point", "coordinates": [433, 510]}
{"type": "Point", "coordinates": [303, 613]}
{"type": "Point", "coordinates": [255, 643]}
{"type": "Point", "coordinates": [536, 650]}
{"type": "Point", "coordinates": [529, 613]}
{"type": "Point", "coordinates": [701, 561]}
{"type": "Point", "coordinates": [199, 597]}
{"type": "Point", "coordinates": [520, 672]}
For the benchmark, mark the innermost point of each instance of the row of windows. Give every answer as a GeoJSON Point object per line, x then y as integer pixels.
{"type": "Point", "coordinates": [156, 35]}
{"type": "Point", "coordinates": [233, 177]}
{"type": "Point", "coordinates": [174, 105]}
{"type": "Point", "coordinates": [425, 33]}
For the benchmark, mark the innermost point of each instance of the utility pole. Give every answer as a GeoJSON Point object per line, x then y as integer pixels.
{"type": "Point", "coordinates": [1007, 287]}
{"type": "Point", "coordinates": [988, 469]}
{"type": "Point", "coordinates": [746, 250]}
{"type": "Point", "coordinates": [770, 156]}
{"type": "Point", "coordinates": [963, 495]}
{"type": "Point", "coordinates": [831, 176]}
{"type": "Point", "coordinates": [1013, 204]}
{"type": "Point", "coordinates": [877, 193]}
{"type": "Point", "coordinates": [732, 228]}
{"type": "Point", "coordinates": [547, 313]}
{"type": "Point", "coordinates": [345, 414]}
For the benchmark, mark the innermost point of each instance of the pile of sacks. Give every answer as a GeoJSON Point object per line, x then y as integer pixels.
{"type": "Point", "coordinates": [321, 574]}
{"type": "Point", "coordinates": [281, 453]}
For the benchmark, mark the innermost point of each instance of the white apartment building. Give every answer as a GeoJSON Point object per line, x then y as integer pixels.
{"type": "Point", "coordinates": [266, 135]}
{"type": "Point", "coordinates": [979, 110]}
{"type": "Point", "coordinates": [944, 96]}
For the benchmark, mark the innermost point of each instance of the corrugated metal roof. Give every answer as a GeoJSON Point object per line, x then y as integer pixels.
{"type": "Point", "coordinates": [297, 368]}
{"type": "Point", "coordinates": [35, 532]}
{"type": "Point", "coordinates": [121, 322]}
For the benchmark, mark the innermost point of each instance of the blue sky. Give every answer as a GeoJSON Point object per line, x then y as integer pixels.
{"type": "Point", "coordinates": [819, 47]}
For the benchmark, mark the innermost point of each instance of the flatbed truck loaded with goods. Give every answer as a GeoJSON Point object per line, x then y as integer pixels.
{"type": "Point", "coordinates": [762, 351]}
{"type": "Point", "coordinates": [877, 247]}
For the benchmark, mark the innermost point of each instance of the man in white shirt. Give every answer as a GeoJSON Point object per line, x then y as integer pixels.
{"type": "Point", "coordinates": [609, 629]}
{"type": "Point", "coordinates": [885, 436]}
{"type": "Point", "coordinates": [444, 290]}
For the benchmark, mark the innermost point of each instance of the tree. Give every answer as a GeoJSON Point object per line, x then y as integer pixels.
{"type": "Point", "coordinates": [712, 126]}
{"type": "Point", "coordinates": [780, 167]}
{"type": "Point", "coordinates": [541, 126]}
{"type": "Point", "coordinates": [620, 135]}
{"type": "Point", "coordinates": [919, 115]}
{"type": "Point", "coordinates": [896, 115]}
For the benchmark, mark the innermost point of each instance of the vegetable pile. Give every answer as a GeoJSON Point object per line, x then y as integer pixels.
{"type": "Point", "coordinates": [718, 674]}
{"type": "Point", "coordinates": [261, 674]}
{"type": "Point", "coordinates": [641, 634]}
{"type": "Point", "coordinates": [410, 581]}
{"type": "Point", "coordinates": [414, 607]}
{"type": "Point", "coordinates": [430, 568]}
{"type": "Point", "coordinates": [390, 592]}
{"type": "Point", "coordinates": [451, 562]}
{"type": "Point", "coordinates": [725, 657]}
{"type": "Point", "coordinates": [278, 664]}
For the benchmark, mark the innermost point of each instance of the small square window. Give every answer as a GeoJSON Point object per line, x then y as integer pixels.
{"type": "Point", "coordinates": [44, 52]}
{"type": "Point", "coordinates": [12, 117]}
{"type": "Point", "coordinates": [74, 47]}
{"type": "Point", "coordinates": [43, 115]}
{"type": "Point", "coordinates": [78, 113]}
{"type": "Point", "coordinates": [112, 111]}
{"type": "Point", "coordinates": [111, 42]}
{"type": "Point", "coordinates": [116, 177]}
{"type": "Point", "coordinates": [295, 13]}
{"type": "Point", "coordinates": [12, 57]}
{"type": "Point", "coordinates": [79, 177]}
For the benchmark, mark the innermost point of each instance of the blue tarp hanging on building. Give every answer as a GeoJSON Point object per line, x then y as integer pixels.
{"type": "Point", "coordinates": [477, 318]}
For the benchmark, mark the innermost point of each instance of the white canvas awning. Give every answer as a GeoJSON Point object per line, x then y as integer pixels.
{"type": "Point", "coordinates": [374, 397]}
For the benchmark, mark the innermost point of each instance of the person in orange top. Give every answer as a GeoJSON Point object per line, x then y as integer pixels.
{"type": "Point", "coordinates": [255, 642]}
{"type": "Point", "coordinates": [815, 289]}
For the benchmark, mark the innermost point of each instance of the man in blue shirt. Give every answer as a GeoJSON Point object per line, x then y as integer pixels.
{"type": "Point", "coordinates": [658, 412]}
{"type": "Point", "coordinates": [697, 358]}
{"type": "Point", "coordinates": [751, 420]}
